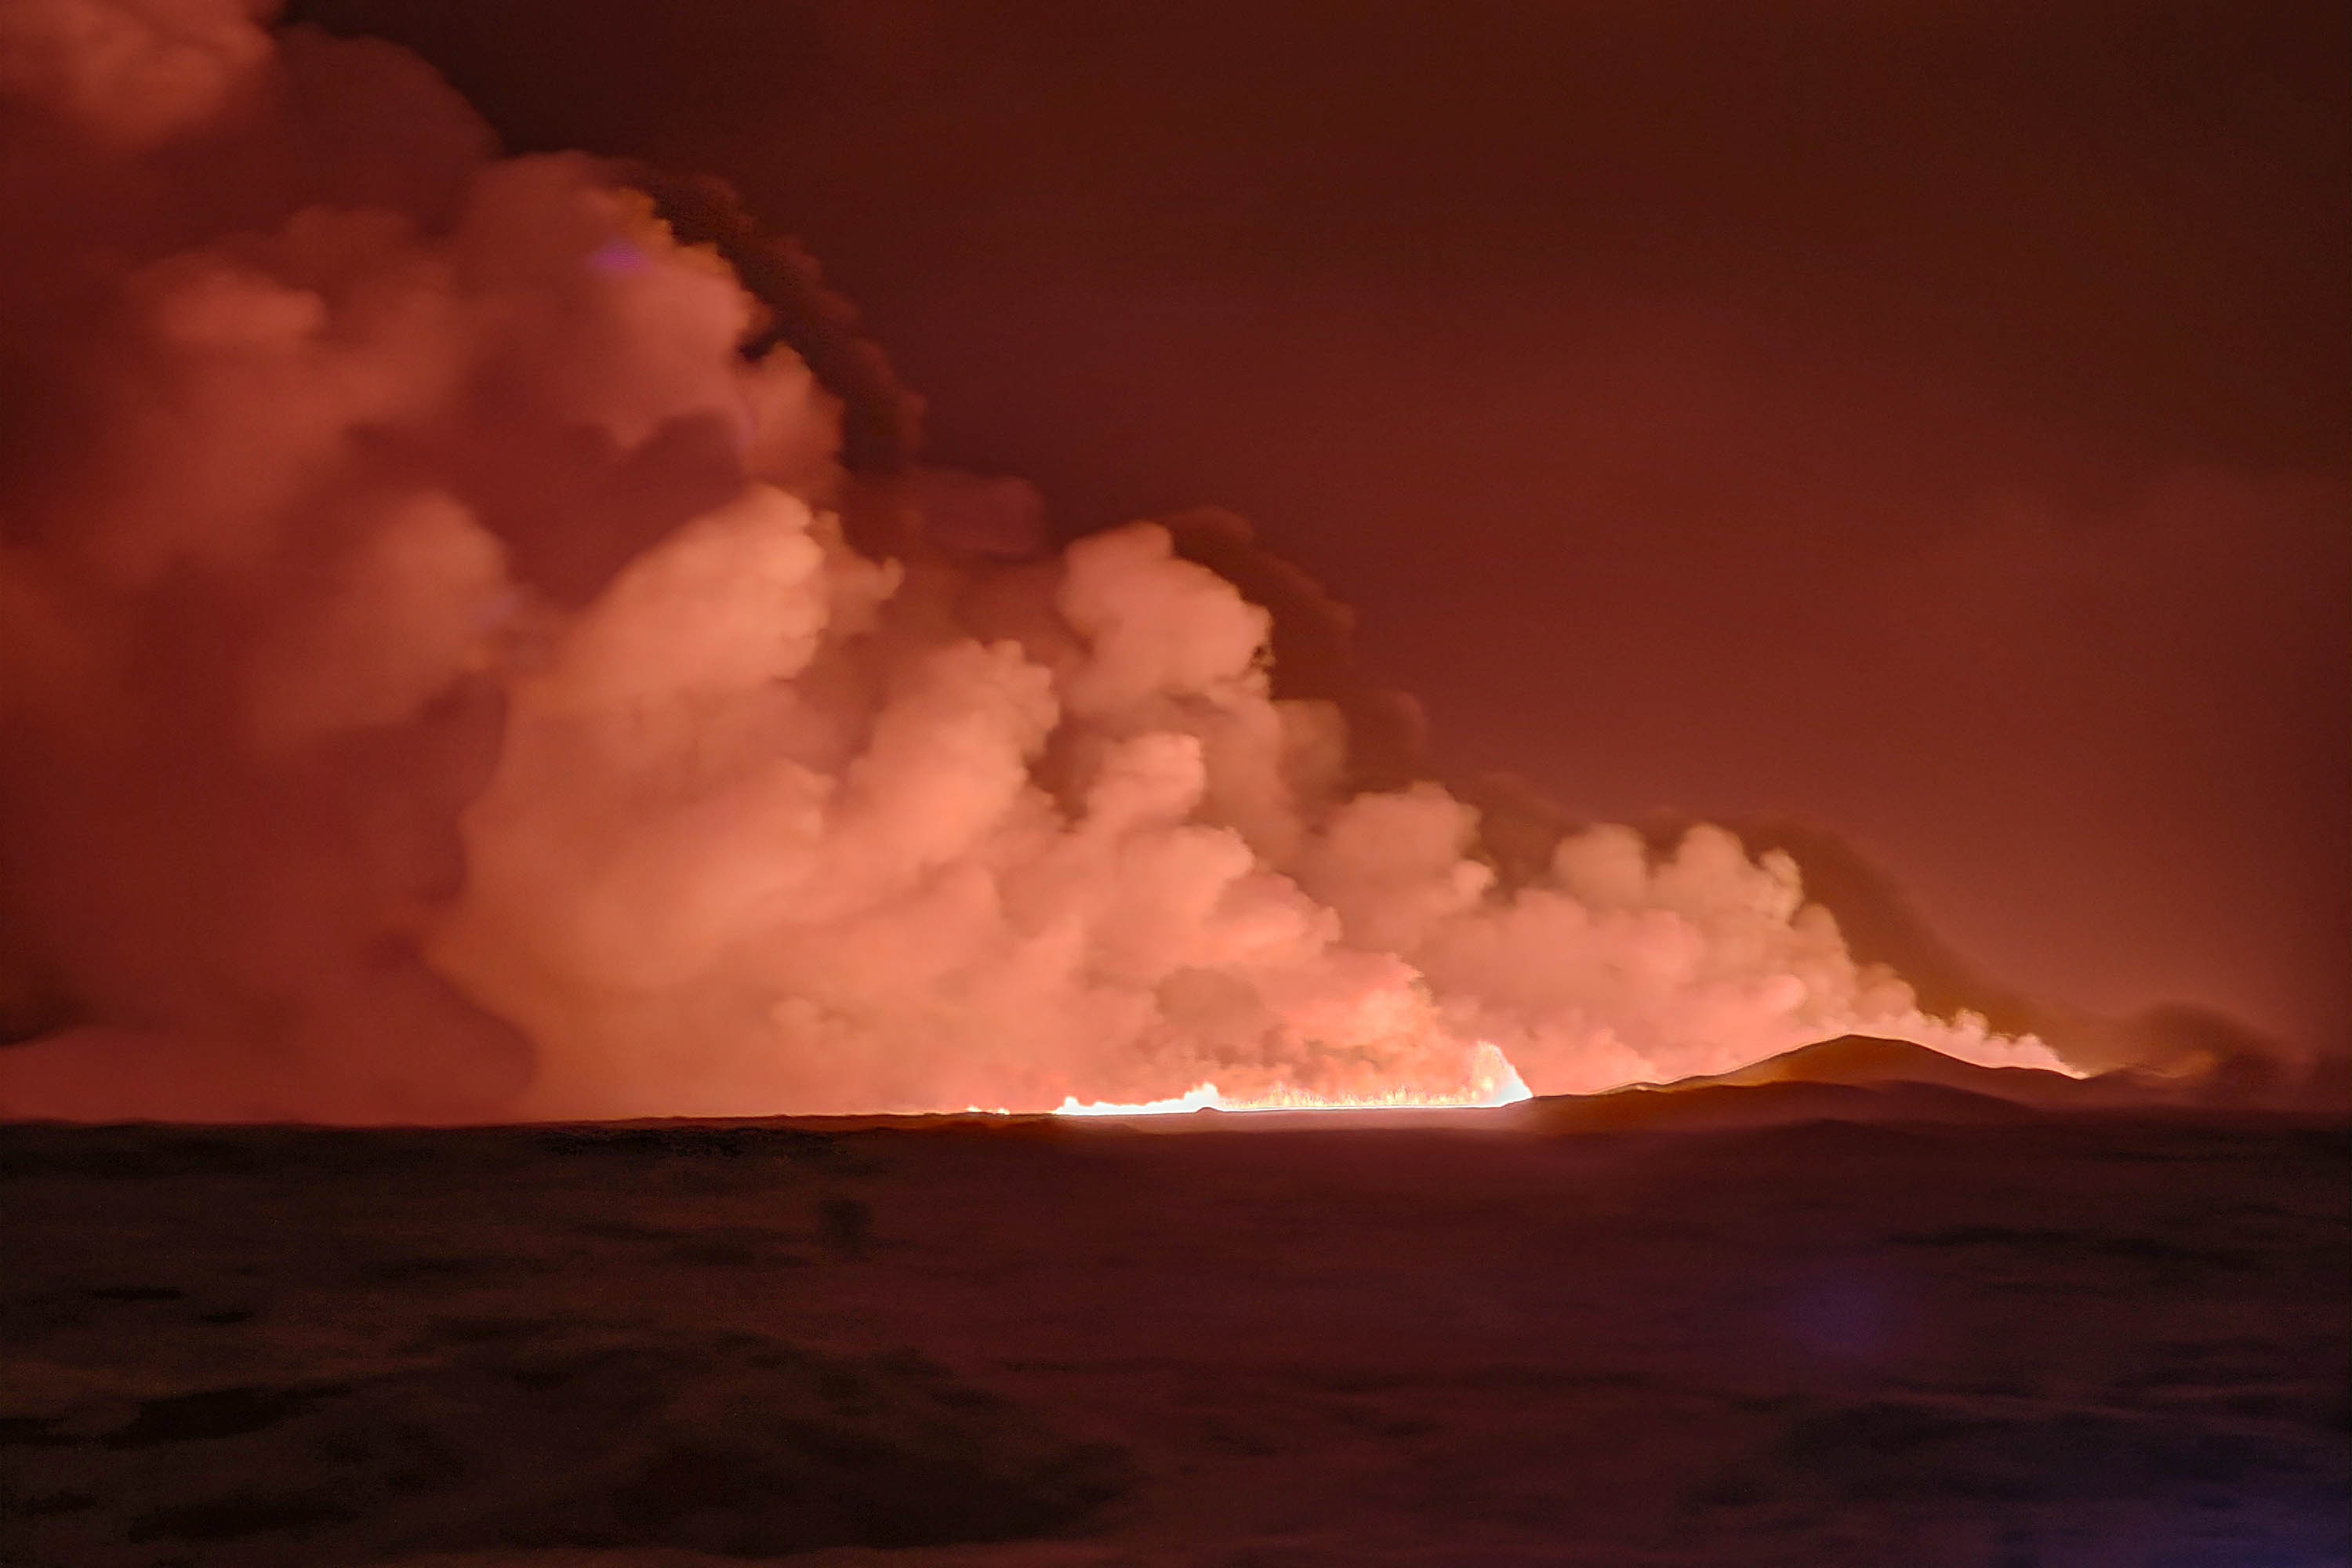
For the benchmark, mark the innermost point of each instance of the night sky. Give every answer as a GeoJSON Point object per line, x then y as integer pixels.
{"type": "Point", "coordinates": [1933, 425]}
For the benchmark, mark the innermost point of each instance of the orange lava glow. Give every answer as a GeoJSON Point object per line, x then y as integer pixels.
{"type": "Point", "coordinates": [1493, 1081]}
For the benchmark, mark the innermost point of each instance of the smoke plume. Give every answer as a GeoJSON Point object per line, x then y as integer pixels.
{"type": "Point", "coordinates": [458, 659]}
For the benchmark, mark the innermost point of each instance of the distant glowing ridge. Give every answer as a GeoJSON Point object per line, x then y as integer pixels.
{"type": "Point", "coordinates": [1493, 1081]}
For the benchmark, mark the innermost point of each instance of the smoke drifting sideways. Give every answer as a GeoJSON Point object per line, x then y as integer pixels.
{"type": "Point", "coordinates": [448, 672]}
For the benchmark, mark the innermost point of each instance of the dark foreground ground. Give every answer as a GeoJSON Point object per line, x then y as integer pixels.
{"type": "Point", "coordinates": [2096, 1338]}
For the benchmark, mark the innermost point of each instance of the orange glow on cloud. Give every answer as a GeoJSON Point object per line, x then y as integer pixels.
{"type": "Point", "coordinates": [389, 788]}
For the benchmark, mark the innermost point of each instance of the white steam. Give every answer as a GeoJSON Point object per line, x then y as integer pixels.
{"type": "Point", "coordinates": [319, 779]}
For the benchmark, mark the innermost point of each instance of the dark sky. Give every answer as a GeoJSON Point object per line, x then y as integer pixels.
{"type": "Point", "coordinates": [1932, 420]}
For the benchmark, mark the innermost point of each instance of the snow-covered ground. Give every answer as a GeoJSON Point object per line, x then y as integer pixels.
{"type": "Point", "coordinates": [1479, 1338]}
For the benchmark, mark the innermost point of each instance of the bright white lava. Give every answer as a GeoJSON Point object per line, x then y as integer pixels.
{"type": "Point", "coordinates": [1493, 1081]}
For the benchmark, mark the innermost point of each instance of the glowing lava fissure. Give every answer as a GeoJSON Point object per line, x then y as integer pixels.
{"type": "Point", "coordinates": [1494, 1082]}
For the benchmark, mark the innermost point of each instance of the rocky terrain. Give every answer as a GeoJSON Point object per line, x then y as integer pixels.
{"type": "Point", "coordinates": [1877, 1321]}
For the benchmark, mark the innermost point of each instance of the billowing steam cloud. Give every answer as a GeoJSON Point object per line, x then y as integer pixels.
{"type": "Point", "coordinates": [438, 682]}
